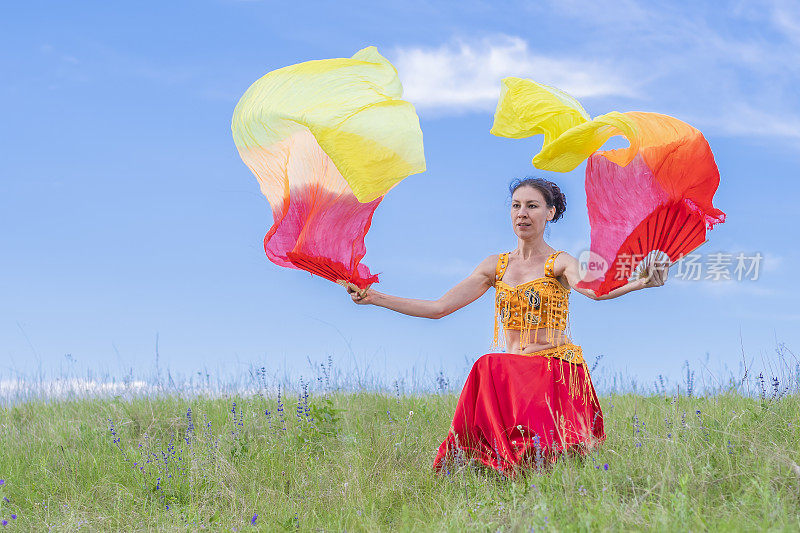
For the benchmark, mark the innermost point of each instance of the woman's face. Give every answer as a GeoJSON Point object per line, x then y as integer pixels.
{"type": "Point", "coordinates": [529, 212]}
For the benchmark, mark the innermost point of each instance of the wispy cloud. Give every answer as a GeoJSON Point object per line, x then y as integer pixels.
{"type": "Point", "coordinates": [786, 17]}
{"type": "Point", "coordinates": [770, 262]}
{"type": "Point", "coordinates": [465, 75]}
{"type": "Point", "coordinates": [732, 69]}
{"type": "Point", "coordinates": [773, 262]}
{"type": "Point", "coordinates": [746, 119]}
{"type": "Point", "coordinates": [63, 67]}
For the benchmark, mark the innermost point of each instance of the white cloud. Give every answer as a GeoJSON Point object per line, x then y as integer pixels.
{"type": "Point", "coordinates": [731, 70]}
{"type": "Point", "coordinates": [464, 75]}
{"type": "Point", "coordinates": [744, 119]}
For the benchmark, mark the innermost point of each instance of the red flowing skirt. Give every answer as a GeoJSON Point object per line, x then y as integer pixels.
{"type": "Point", "coordinates": [522, 409]}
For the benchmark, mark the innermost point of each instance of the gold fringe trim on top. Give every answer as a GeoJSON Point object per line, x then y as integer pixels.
{"type": "Point", "coordinates": [540, 303]}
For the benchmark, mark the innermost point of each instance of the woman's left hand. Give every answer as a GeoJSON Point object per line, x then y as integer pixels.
{"type": "Point", "coordinates": [656, 274]}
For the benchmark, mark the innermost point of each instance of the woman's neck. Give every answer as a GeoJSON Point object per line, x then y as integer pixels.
{"type": "Point", "coordinates": [533, 247]}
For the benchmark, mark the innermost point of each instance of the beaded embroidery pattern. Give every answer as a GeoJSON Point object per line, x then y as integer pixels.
{"type": "Point", "coordinates": [539, 303]}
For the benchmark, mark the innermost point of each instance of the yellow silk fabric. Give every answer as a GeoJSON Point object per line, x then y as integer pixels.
{"type": "Point", "coordinates": [353, 109]}
{"type": "Point", "coordinates": [529, 108]}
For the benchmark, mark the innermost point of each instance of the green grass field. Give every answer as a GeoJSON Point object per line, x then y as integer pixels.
{"type": "Point", "coordinates": [362, 462]}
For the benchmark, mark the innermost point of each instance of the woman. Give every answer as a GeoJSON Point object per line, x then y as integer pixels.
{"type": "Point", "coordinates": [536, 400]}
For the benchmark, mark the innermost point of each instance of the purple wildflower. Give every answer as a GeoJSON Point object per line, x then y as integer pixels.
{"type": "Point", "coordinates": [605, 466]}
{"type": "Point", "coordinates": [2, 481]}
{"type": "Point", "coordinates": [253, 520]}
{"type": "Point", "coordinates": [190, 425]}
{"type": "Point", "coordinates": [4, 522]}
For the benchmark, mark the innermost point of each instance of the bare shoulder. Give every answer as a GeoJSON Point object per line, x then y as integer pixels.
{"type": "Point", "coordinates": [563, 263]}
{"type": "Point", "coordinates": [564, 258]}
{"type": "Point", "coordinates": [487, 268]}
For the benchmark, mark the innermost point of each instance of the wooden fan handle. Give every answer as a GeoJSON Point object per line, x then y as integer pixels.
{"type": "Point", "coordinates": [350, 285]}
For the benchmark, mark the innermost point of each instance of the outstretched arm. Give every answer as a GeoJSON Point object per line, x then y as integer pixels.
{"type": "Point", "coordinates": [466, 292]}
{"type": "Point", "coordinates": [568, 266]}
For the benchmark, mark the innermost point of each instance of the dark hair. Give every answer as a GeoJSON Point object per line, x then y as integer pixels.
{"type": "Point", "coordinates": [553, 196]}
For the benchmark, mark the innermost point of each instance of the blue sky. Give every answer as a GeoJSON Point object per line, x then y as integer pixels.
{"type": "Point", "coordinates": [126, 213]}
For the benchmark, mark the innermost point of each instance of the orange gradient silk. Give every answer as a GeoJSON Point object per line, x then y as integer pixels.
{"type": "Point", "coordinates": [651, 199]}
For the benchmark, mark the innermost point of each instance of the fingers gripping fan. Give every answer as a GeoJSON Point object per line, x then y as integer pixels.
{"type": "Point", "coordinates": [326, 140]}
{"type": "Point", "coordinates": [648, 202]}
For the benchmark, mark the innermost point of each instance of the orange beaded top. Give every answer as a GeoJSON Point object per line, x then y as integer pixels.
{"type": "Point", "coordinates": [539, 303]}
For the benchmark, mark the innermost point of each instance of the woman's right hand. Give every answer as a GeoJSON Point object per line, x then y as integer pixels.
{"type": "Point", "coordinates": [360, 296]}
